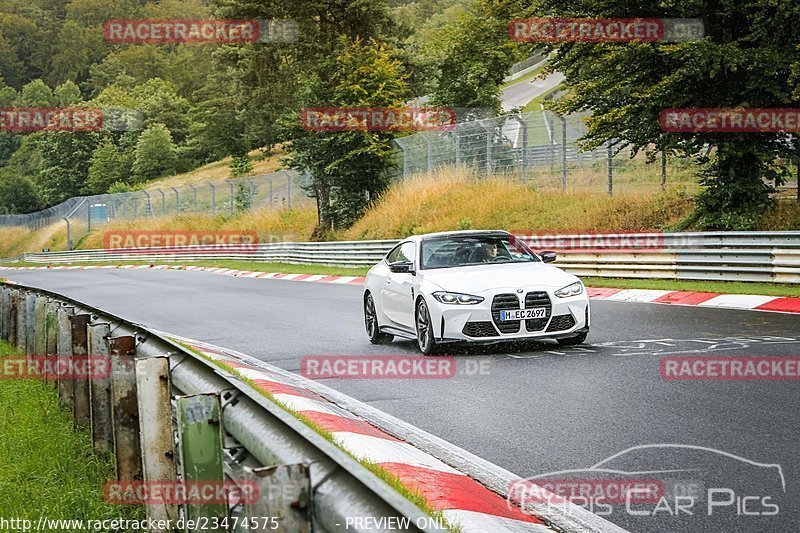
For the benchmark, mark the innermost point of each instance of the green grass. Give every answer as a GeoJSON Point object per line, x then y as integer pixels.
{"type": "Point", "coordinates": [724, 287]}
{"type": "Point", "coordinates": [48, 468]}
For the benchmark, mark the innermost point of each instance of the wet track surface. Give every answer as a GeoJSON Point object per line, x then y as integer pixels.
{"type": "Point", "coordinates": [531, 409]}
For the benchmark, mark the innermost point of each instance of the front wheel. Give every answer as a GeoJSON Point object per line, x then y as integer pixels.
{"type": "Point", "coordinates": [425, 339]}
{"type": "Point", "coordinates": [574, 341]}
{"type": "Point", "coordinates": [371, 321]}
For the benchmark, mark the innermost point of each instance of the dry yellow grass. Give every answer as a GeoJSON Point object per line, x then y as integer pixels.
{"type": "Point", "coordinates": [219, 171]}
{"type": "Point", "coordinates": [453, 200]}
{"type": "Point", "coordinates": [446, 200]}
{"type": "Point", "coordinates": [270, 225]}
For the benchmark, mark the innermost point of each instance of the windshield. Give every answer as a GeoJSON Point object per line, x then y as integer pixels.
{"type": "Point", "coordinates": [468, 250]}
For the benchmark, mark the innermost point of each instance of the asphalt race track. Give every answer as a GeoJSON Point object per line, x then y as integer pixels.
{"type": "Point", "coordinates": [534, 409]}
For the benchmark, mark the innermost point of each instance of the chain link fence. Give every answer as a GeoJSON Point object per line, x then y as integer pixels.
{"type": "Point", "coordinates": [541, 147]}
{"type": "Point", "coordinates": [278, 190]}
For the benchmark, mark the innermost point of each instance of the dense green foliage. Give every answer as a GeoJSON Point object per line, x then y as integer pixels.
{"type": "Point", "coordinates": [748, 58]}
{"type": "Point", "coordinates": [197, 103]}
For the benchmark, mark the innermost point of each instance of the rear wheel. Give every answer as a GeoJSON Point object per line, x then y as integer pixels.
{"type": "Point", "coordinates": [425, 339]}
{"type": "Point", "coordinates": [574, 341]}
{"type": "Point", "coordinates": [371, 322]}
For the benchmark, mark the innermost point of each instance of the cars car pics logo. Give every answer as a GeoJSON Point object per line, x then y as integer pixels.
{"type": "Point", "coordinates": [629, 482]}
{"type": "Point", "coordinates": [180, 242]}
{"type": "Point", "coordinates": [377, 119]}
{"type": "Point", "coordinates": [52, 367]}
{"type": "Point", "coordinates": [620, 30]}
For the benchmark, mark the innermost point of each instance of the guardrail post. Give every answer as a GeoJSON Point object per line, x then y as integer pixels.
{"type": "Point", "coordinates": [13, 316]}
{"type": "Point", "coordinates": [99, 388]}
{"type": "Point", "coordinates": [124, 410]}
{"type": "Point", "coordinates": [64, 350]}
{"type": "Point", "coordinates": [284, 495]}
{"type": "Point", "coordinates": [200, 443]}
{"type": "Point", "coordinates": [39, 326]}
{"type": "Point", "coordinates": [81, 409]}
{"type": "Point", "coordinates": [5, 311]}
{"type": "Point", "coordinates": [51, 335]}
{"type": "Point", "coordinates": [29, 333]}
{"type": "Point", "coordinates": [156, 437]}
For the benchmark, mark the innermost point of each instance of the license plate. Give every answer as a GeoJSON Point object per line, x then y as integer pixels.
{"type": "Point", "coordinates": [523, 314]}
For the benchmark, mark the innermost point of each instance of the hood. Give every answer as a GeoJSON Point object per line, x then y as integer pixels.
{"type": "Point", "coordinates": [480, 278]}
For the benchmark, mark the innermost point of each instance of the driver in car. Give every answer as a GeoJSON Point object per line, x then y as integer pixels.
{"type": "Point", "coordinates": [489, 251]}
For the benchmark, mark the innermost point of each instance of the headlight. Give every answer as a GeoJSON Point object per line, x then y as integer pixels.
{"type": "Point", "coordinates": [457, 298]}
{"type": "Point", "coordinates": [570, 290]}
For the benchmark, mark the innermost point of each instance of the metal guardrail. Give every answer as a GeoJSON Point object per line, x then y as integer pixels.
{"type": "Point", "coordinates": [170, 415]}
{"type": "Point", "coordinates": [722, 256]}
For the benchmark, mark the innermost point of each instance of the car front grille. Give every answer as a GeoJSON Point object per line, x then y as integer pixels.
{"type": "Point", "coordinates": [504, 302]}
{"type": "Point", "coordinates": [538, 299]}
{"type": "Point", "coordinates": [479, 329]}
{"type": "Point", "coordinates": [561, 323]}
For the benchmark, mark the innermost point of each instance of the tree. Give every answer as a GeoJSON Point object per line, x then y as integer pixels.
{"type": "Point", "coordinates": [349, 168]}
{"type": "Point", "coordinates": [108, 167]}
{"type": "Point", "coordinates": [64, 167]}
{"type": "Point", "coordinates": [155, 154]}
{"type": "Point", "coordinates": [17, 194]}
{"type": "Point", "coordinates": [744, 61]}
{"type": "Point", "coordinates": [477, 56]}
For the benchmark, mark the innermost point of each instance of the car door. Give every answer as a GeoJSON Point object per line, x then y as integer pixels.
{"type": "Point", "coordinates": [398, 289]}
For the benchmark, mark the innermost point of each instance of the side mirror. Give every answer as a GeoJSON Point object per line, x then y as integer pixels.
{"type": "Point", "coordinates": [548, 257]}
{"type": "Point", "coordinates": [402, 267]}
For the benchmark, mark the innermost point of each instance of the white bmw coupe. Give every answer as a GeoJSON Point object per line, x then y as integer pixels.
{"type": "Point", "coordinates": [472, 286]}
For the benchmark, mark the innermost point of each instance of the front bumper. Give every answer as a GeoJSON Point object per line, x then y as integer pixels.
{"type": "Point", "coordinates": [480, 323]}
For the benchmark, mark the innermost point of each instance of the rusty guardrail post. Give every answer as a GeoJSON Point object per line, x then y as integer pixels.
{"type": "Point", "coordinates": [28, 324]}
{"type": "Point", "coordinates": [51, 337]}
{"type": "Point", "coordinates": [284, 496]}
{"type": "Point", "coordinates": [64, 351]}
{"type": "Point", "coordinates": [153, 388]}
{"type": "Point", "coordinates": [5, 294]}
{"type": "Point", "coordinates": [80, 387]}
{"type": "Point", "coordinates": [39, 334]}
{"type": "Point", "coordinates": [124, 410]}
{"type": "Point", "coordinates": [20, 330]}
{"type": "Point", "coordinates": [13, 305]}
{"type": "Point", "coordinates": [99, 388]}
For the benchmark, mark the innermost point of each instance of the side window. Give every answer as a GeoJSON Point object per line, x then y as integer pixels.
{"type": "Point", "coordinates": [404, 252]}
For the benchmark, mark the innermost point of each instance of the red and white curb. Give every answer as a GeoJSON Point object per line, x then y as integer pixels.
{"type": "Point", "coordinates": [463, 501]}
{"type": "Point", "coordinates": [700, 299]}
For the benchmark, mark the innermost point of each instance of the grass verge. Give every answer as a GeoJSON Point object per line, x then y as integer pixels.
{"type": "Point", "coordinates": [49, 468]}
